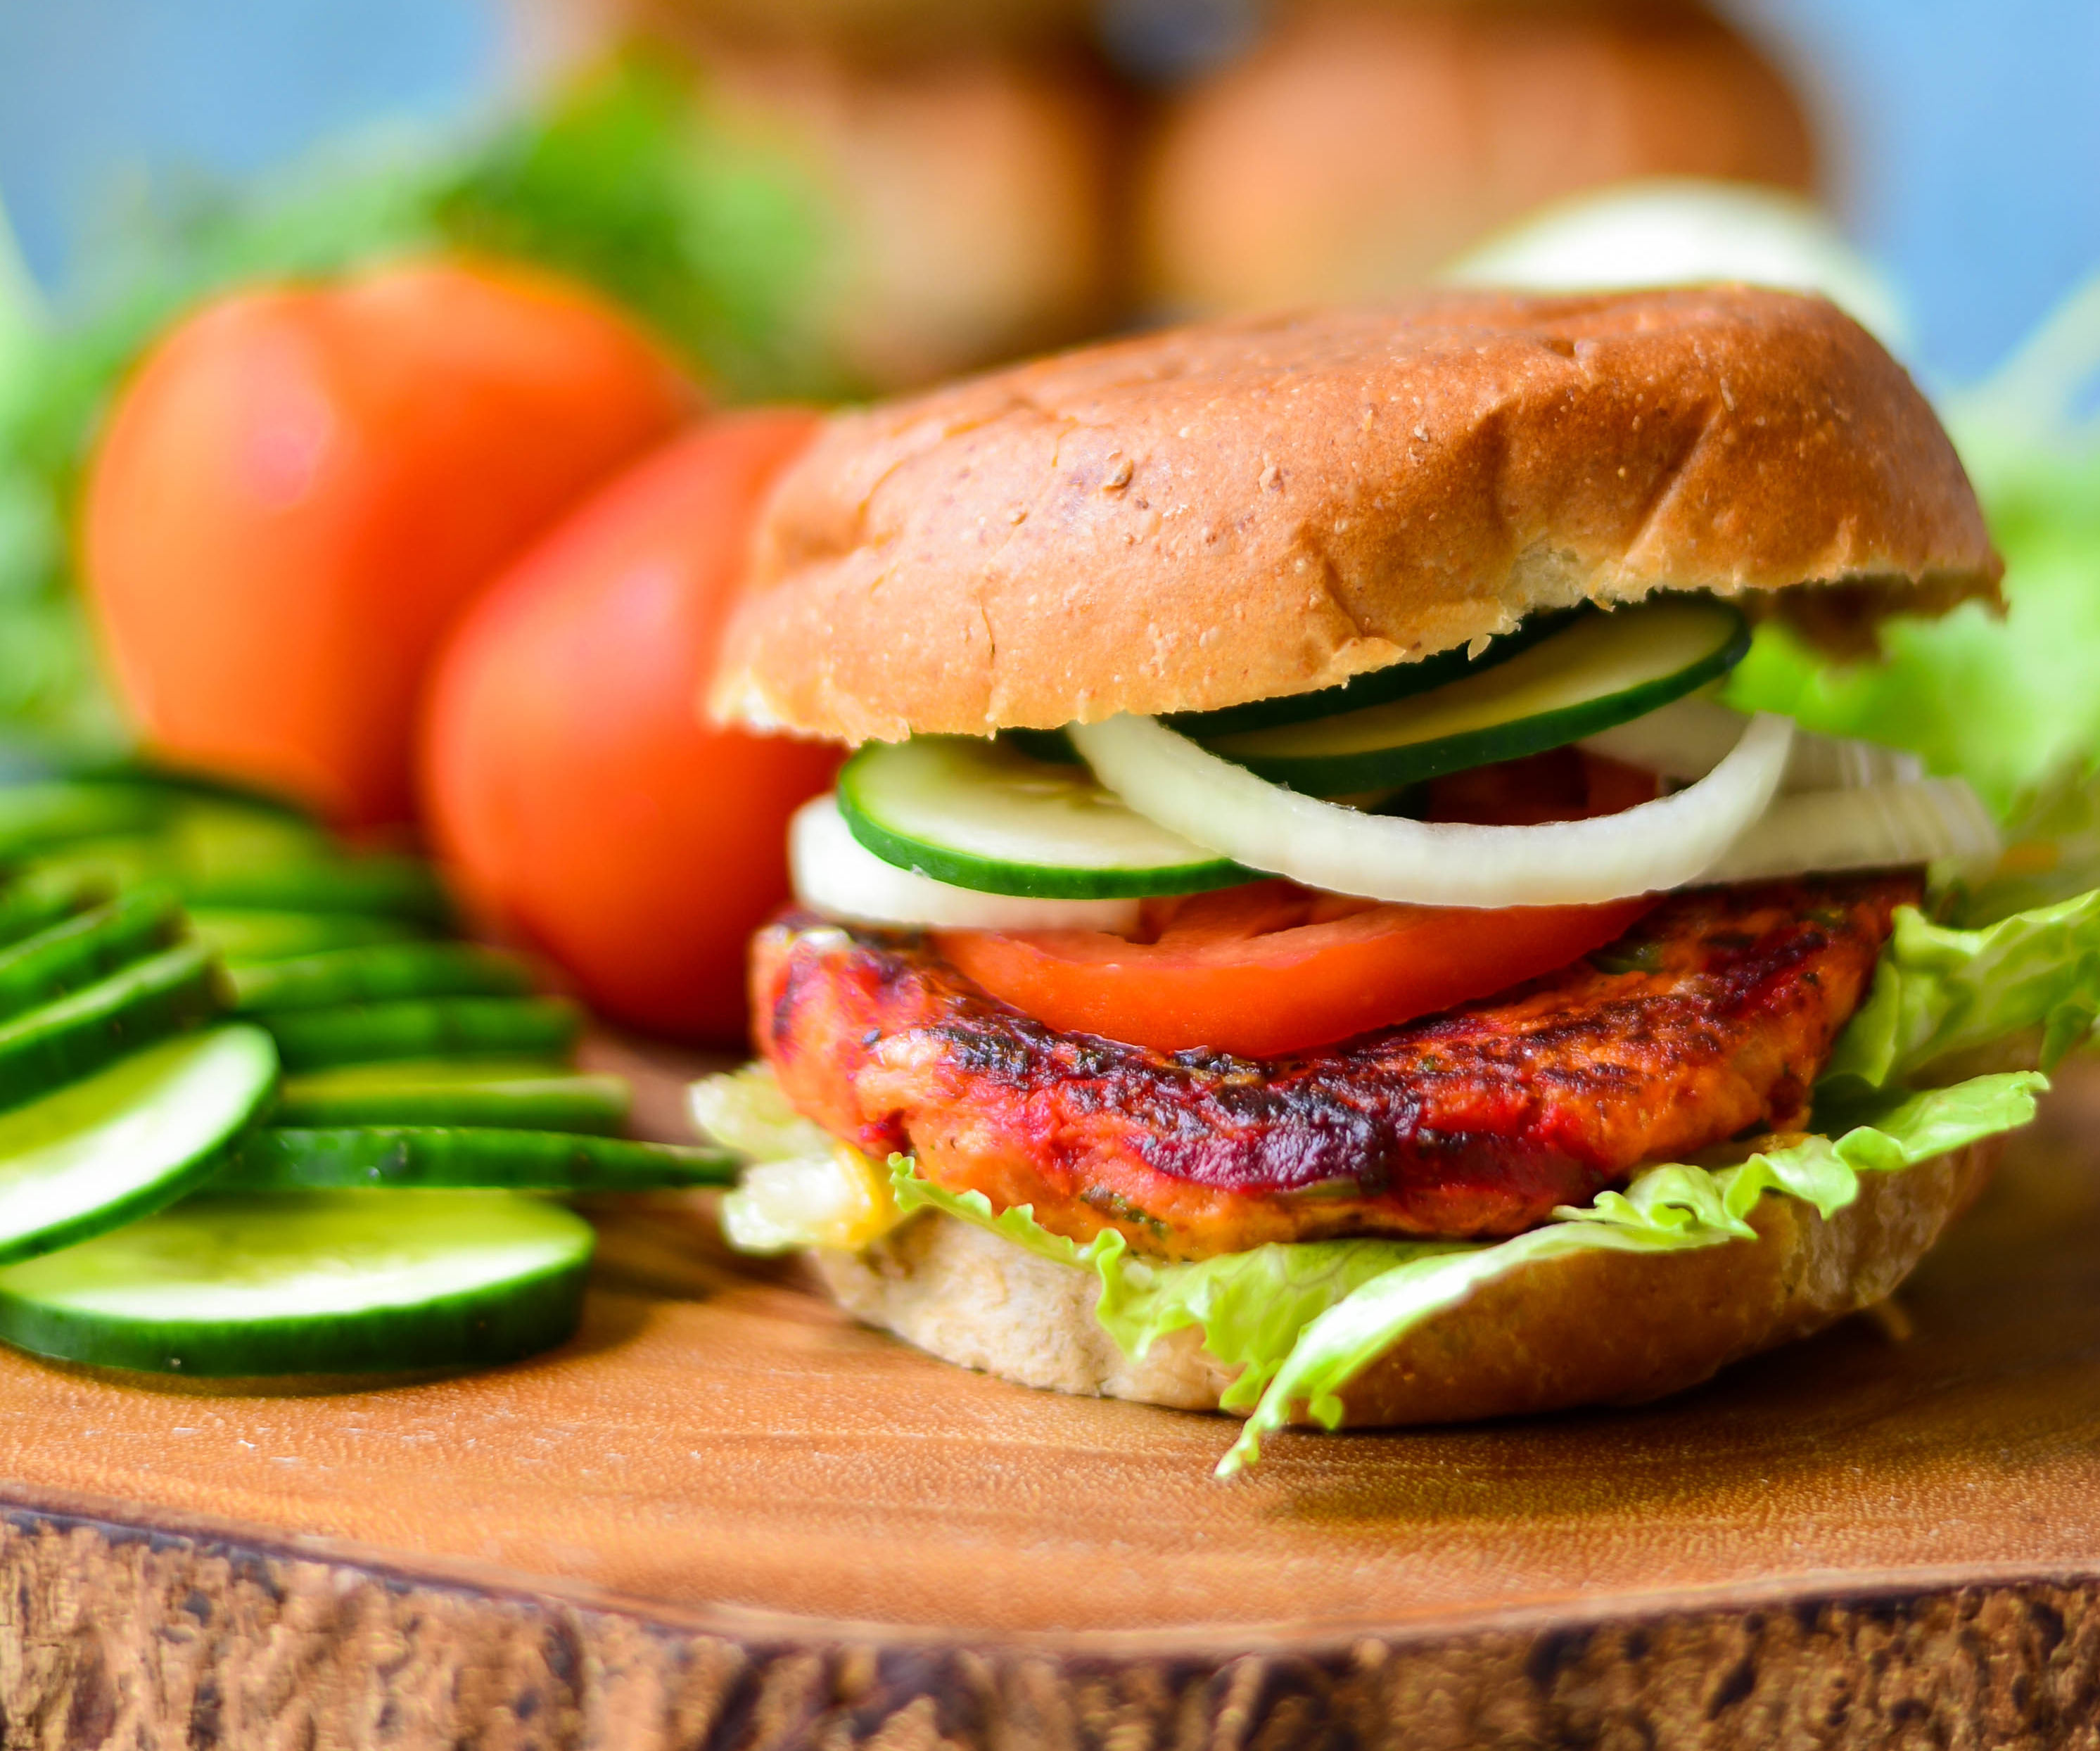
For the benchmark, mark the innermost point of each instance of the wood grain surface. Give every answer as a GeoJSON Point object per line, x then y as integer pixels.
{"type": "Point", "coordinates": [726, 1516]}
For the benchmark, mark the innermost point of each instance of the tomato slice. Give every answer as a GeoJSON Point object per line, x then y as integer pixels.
{"type": "Point", "coordinates": [1258, 970]}
{"type": "Point", "coordinates": [1272, 967]}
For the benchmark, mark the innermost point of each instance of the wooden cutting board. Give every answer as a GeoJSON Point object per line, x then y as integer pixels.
{"type": "Point", "coordinates": [725, 1516]}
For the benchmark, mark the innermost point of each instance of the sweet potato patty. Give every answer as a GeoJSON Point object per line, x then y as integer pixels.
{"type": "Point", "coordinates": [1711, 1017]}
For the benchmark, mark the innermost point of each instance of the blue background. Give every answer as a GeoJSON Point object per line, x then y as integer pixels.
{"type": "Point", "coordinates": [1967, 132]}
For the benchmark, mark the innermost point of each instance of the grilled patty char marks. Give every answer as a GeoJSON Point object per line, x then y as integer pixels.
{"type": "Point", "coordinates": [1711, 1017]}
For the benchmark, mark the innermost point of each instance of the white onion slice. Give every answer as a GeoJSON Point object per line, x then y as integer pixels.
{"type": "Point", "coordinates": [836, 874]}
{"type": "Point", "coordinates": [1655, 845]}
{"type": "Point", "coordinates": [1879, 827]}
{"type": "Point", "coordinates": [1688, 739]}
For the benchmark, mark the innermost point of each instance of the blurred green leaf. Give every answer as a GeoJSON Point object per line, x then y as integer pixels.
{"type": "Point", "coordinates": [637, 182]}
{"type": "Point", "coordinates": [21, 318]}
{"type": "Point", "coordinates": [2009, 703]}
{"type": "Point", "coordinates": [631, 181]}
{"type": "Point", "coordinates": [2004, 704]}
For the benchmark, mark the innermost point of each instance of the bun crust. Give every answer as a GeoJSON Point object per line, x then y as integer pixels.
{"type": "Point", "coordinates": [1249, 509]}
{"type": "Point", "coordinates": [1532, 1341]}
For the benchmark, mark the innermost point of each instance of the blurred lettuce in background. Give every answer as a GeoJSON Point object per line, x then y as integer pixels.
{"type": "Point", "coordinates": [2010, 703]}
{"type": "Point", "coordinates": [628, 181]}
{"type": "Point", "coordinates": [635, 183]}
{"type": "Point", "coordinates": [47, 683]}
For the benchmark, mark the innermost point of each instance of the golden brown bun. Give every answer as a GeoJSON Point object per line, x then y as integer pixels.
{"type": "Point", "coordinates": [1363, 146]}
{"type": "Point", "coordinates": [1255, 508]}
{"type": "Point", "coordinates": [1585, 1329]}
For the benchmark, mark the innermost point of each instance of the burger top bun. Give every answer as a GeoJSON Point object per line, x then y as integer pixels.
{"type": "Point", "coordinates": [1364, 144]}
{"type": "Point", "coordinates": [1249, 508]}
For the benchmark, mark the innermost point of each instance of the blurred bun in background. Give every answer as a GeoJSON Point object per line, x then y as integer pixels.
{"type": "Point", "coordinates": [879, 28]}
{"type": "Point", "coordinates": [971, 197]}
{"type": "Point", "coordinates": [556, 31]}
{"type": "Point", "coordinates": [1365, 143]}
{"type": "Point", "coordinates": [958, 162]}
{"type": "Point", "coordinates": [982, 182]}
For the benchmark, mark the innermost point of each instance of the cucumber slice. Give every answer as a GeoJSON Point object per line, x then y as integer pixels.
{"type": "Point", "coordinates": [475, 1091]}
{"type": "Point", "coordinates": [129, 1140]}
{"type": "Point", "coordinates": [206, 867]}
{"type": "Point", "coordinates": [386, 886]}
{"type": "Point", "coordinates": [983, 815]}
{"type": "Point", "coordinates": [244, 936]}
{"type": "Point", "coordinates": [185, 783]}
{"type": "Point", "coordinates": [88, 946]}
{"type": "Point", "coordinates": [1601, 669]}
{"type": "Point", "coordinates": [26, 760]}
{"type": "Point", "coordinates": [1378, 686]}
{"type": "Point", "coordinates": [25, 910]}
{"type": "Point", "coordinates": [37, 818]}
{"type": "Point", "coordinates": [310, 1283]}
{"type": "Point", "coordinates": [411, 1157]}
{"type": "Point", "coordinates": [436, 1027]}
{"type": "Point", "coordinates": [207, 837]}
{"type": "Point", "coordinates": [382, 971]}
{"type": "Point", "coordinates": [76, 1035]}
{"type": "Point", "coordinates": [102, 866]}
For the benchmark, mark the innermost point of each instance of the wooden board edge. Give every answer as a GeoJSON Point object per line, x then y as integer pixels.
{"type": "Point", "coordinates": [120, 1631]}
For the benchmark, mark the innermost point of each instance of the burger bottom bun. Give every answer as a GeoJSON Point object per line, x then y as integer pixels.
{"type": "Point", "coordinates": [1601, 1327]}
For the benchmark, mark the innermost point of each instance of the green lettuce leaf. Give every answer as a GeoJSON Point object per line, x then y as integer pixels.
{"type": "Point", "coordinates": [1939, 992]}
{"type": "Point", "coordinates": [1667, 1209]}
{"type": "Point", "coordinates": [1251, 1305]}
{"type": "Point", "coordinates": [1301, 1321]}
{"type": "Point", "coordinates": [2052, 854]}
{"type": "Point", "coordinates": [2006, 702]}
{"type": "Point", "coordinates": [745, 1110]}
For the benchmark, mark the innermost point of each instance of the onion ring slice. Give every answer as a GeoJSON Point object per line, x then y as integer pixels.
{"type": "Point", "coordinates": [1654, 846]}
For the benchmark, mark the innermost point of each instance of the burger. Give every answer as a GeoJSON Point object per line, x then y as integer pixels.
{"type": "Point", "coordinates": [1304, 933]}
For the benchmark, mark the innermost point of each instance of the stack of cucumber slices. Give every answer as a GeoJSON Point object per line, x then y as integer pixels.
{"type": "Point", "coordinates": [260, 1117]}
{"type": "Point", "coordinates": [1073, 829]}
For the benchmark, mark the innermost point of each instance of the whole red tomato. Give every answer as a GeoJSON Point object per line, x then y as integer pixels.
{"type": "Point", "coordinates": [569, 778]}
{"type": "Point", "coordinates": [300, 489]}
